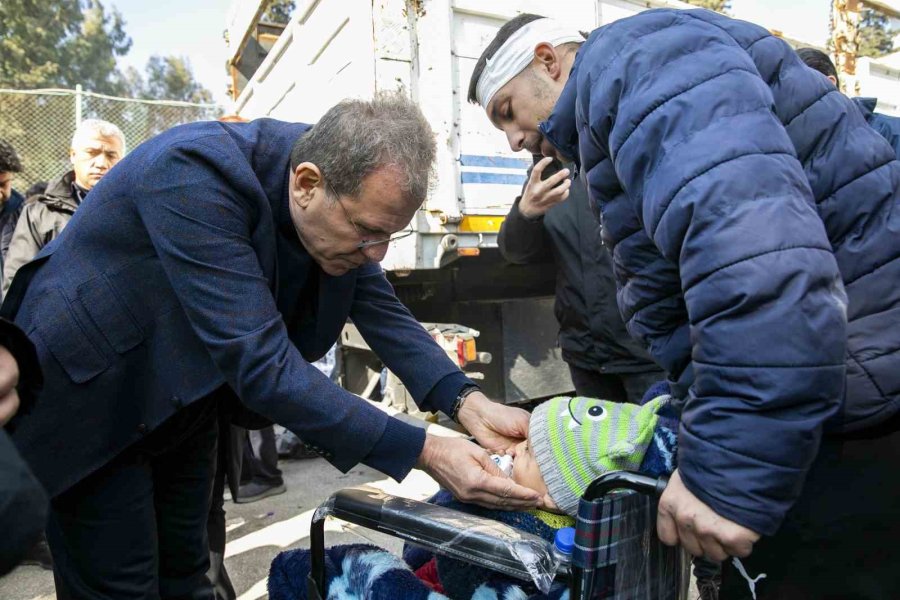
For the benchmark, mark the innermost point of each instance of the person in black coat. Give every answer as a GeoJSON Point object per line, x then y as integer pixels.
{"type": "Point", "coordinates": [11, 201]}
{"type": "Point", "coordinates": [23, 502]}
{"type": "Point", "coordinates": [553, 221]}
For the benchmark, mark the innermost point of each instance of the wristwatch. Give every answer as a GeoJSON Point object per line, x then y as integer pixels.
{"type": "Point", "coordinates": [461, 399]}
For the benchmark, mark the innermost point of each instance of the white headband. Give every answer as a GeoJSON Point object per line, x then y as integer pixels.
{"type": "Point", "coordinates": [517, 52]}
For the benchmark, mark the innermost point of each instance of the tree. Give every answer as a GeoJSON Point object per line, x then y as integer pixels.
{"type": "Point", "coordinates": [29, 35]}
{"type": "Point", "coordinates": [165, 78]}
{"type": "Point", "coordinates": [875, 37]}
{"type": "Point", "coordinates": [171, 78]}
{"type": "Point", "coordinates": [721, 6]}
{"type": "Point", "coordinates": [279, 11]}
{"type": "Point", "coordinates": [59, 43]}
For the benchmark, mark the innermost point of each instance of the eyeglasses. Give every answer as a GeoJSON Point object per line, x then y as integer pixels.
{"type": "Point", "coordinates": [367, 243]}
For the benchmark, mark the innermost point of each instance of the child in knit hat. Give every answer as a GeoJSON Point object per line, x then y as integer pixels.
{"type": "Point", "coordinates": [573, 441]}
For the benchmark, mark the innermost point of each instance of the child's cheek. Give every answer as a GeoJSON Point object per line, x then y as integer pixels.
{"type": "Point", "coordinates": [518, 469]}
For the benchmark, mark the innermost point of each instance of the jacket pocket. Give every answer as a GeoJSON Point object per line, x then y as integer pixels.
{"type": "Point", "coordinates": [109, 314]}
{"type": "Point", "coordinates": [66, 339]}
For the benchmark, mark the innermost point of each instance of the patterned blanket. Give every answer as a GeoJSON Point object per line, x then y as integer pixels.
{"type": "Point", "coordinates": [359, 571]}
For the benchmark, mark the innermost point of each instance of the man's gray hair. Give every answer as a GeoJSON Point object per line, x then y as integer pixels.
{"type": "Point", "coordinates": [94, 127]}
{"type": "Point", "coordinates": [357, 137]}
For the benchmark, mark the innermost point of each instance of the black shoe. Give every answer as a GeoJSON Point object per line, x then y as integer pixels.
{"type": "Point", "coordinates": [708, 589]}
{"type": "Point", "coordinates": [300, 452]}
{"type": "Point", "coordinates": [253, 491]}
{"type": "Point", "coordinates": [39, 555]}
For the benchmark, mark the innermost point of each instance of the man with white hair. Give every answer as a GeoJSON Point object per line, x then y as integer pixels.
{"type": "Point", "coordinates": [96, 147]}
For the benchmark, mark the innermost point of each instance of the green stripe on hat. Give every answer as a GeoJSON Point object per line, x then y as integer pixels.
{"type": "Point", "coordinates": [556, 448]}
{"type": "Point", "coordinates": [577, 440]}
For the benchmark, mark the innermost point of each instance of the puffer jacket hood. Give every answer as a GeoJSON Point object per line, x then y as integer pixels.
{"type": "Point", "coordinates": [754, 223]}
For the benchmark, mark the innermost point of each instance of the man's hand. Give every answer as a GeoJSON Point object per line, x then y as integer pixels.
{"type": "Point", "coordinates": [684, 518]}
{"type": "Point", "coordinates": [497, 427]}
{"type": "Point", "coordinates": [469, 473]}
{"type": "Point", "coordinates": [540, 196]}
{"type": "Point", "coordinates": [9, 379]}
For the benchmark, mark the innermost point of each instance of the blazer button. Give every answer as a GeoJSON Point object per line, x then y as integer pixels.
{"type": "Point", "coordinates": [176, 402]}
{"type": "Point", "coordinates": [142, 428]}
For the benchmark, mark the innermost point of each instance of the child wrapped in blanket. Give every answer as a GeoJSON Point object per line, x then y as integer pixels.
{"type": "Point", "coordinates": [571, 442]}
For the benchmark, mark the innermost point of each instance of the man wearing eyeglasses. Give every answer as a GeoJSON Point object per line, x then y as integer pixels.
{"type": "Point", "coordinates": [212, 265]}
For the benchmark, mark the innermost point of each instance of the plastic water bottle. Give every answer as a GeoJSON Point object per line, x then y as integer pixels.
{"type": "Point", "coordinates": [504, 463]}
{"type": "Point", "coordinates": [563, 544]}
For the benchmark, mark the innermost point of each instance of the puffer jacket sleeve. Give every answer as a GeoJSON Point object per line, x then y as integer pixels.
{"type": "Point", "coordinates": [889, 128]}
{"type": "Point", "coordinates": [681, 110]}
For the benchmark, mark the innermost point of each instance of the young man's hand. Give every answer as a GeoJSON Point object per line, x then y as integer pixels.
{"type": "Point", "coordinates": [9, 379]}
{"type": "Point", "coordinates": [540, 196]}
{"type": "Point", "coordinates": [497, 427]}
{"type": "Point", "coordinates": [469, 473]}
{"type": "Point", "coordinates": [683, 518]}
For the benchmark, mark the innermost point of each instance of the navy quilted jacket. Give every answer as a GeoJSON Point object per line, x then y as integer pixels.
{"type": "Point", "coordinates": [754, 223]}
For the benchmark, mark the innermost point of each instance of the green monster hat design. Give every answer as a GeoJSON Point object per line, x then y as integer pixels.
{"type": "Point", "coordinates": [576, 440]}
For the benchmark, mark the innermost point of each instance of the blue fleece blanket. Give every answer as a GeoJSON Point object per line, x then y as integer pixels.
{"type": "Point", "coordinates": [360, 571]}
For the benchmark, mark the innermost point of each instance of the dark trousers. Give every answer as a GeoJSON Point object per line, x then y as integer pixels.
{"type": "Point", "coordinates": [136, 528]}
{"type": "Point", "coordinates": [23, 506]}
{"type": "Point", "coordinates": [839, 541]}
{"type": "Point", "coordinates": [616, 387]}
{"type": "Point", "coordinates": [228, 471]}
{"type": "Point", "coordinates": [260, 461]}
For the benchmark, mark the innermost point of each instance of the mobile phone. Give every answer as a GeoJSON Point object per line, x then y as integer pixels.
{"type": "Point", "coordinates": [554, 167]}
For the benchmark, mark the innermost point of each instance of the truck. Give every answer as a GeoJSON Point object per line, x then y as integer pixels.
{"type": "Point", "coordinates": [449, 271]}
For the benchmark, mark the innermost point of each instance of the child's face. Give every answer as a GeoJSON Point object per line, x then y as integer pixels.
{"type": "Point", "coordinates": [525, 469]}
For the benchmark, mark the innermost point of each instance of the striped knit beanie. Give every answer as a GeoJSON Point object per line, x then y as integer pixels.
{"type": "Point", "coordinates": [576, 440]}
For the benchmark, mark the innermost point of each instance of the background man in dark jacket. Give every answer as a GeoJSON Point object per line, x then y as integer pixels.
{"type": "Point", "coordinates": [887, 126]}
{"type": "Point", "coordinates": [212, 264]}
{"type": "Point", "coordinates": [96, 147]}
{"type": "Point", "coordinates": [10, 200]}
{"type": "Point", "coordinates": [552, 221]}
{"type": "Point", "coordinates": [752, 215]}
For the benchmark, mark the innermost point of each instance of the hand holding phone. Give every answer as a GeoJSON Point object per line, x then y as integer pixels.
{"type": "Point", "coordinates": [547, 186]}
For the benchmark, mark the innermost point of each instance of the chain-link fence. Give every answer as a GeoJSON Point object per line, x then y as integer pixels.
{"type": "Point", "coordinates": [39, 124]}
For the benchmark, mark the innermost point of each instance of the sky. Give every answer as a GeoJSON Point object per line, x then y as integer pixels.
{"type": "Point", "coordinates": [193, 28]}
{"type": "Point", "coordinates": [190, 28]}
{"type": "Point", "coordinates": [804, 20]}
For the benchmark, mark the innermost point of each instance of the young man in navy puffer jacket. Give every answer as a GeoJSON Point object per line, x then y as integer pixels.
{"type": "Point", "coordinates": [752, 216]}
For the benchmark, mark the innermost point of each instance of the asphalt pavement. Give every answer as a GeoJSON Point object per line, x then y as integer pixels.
{"type": "Point", "coordinates": [259, 531]}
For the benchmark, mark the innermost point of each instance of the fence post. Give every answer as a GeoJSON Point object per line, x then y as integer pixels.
{"type": "Point", "coordinates": [77, 105]}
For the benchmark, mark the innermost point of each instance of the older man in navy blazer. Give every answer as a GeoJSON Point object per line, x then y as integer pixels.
{"type": "Point", "coordinates": [213, 263]}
